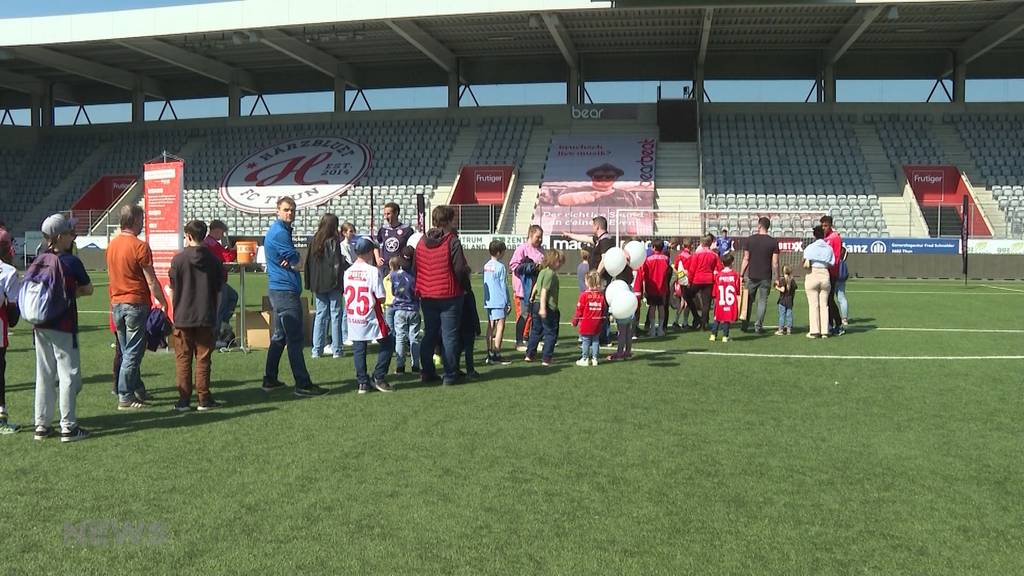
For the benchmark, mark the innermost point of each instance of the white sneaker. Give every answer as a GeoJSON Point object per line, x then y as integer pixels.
{"type": "Point", "coordinates": [328, 350]}
{"type": "Point", "coordinates": [593, 361]}
{"type": "Point", "coordinates": [582, 362]}
{"type": "Point", "coordinates": [348, 342]}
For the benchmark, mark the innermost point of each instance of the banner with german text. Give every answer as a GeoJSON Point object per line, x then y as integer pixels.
{"type": "Point", "coordinates": [598, 175]}
{"type": "Point", "coordinates": [164, 212]}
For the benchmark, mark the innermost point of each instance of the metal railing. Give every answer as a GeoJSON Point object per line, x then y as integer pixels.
{"type": "Point", "coordinates": [477, 218]}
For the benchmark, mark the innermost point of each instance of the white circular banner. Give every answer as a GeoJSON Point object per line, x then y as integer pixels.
{"type": "Point", "coordinates": [310, 170]}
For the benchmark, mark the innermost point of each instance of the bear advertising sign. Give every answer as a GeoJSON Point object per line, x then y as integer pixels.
{"type": "Point", "coordinates": [310, 170]}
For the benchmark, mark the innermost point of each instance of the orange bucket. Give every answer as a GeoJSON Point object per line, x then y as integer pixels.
{"type": "Point", "coordinates": [246, 251]}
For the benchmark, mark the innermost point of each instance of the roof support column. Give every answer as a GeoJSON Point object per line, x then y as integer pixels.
{"type": "Point", "coordinates": [453, 89]}
{"type": "Point", "coordinates": [37, 103]}
{"type": "Point", "coordinates": [46, 107]}
{"type": "Point", "coordinates": [234, 100]}
{"type": "Point", "coordinates": [960, 83]}
{"type": "Point", "coordinates": [698, 84]}
{"type": "Point", "coordinates": [574, 87]}
{"type": "Point", "coordinates": [339, 93]}
{"type": "Point", "coordinates": [138, 105]}
{"type": "Point", "coordinates": [828, 84]}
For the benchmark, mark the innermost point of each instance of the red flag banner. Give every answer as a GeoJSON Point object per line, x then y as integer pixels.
{"type": "Point", "coordinates": [164, 214]}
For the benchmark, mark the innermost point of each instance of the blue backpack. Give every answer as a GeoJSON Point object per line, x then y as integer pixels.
{"type": "Point", "coordinates": [43, 297]}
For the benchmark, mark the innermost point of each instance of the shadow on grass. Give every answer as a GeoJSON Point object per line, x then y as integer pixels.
{"type": "Point", "coordinates": [162, 417]}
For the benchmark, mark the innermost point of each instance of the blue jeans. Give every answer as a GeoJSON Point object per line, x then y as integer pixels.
{"type": "Point", "coordinates": [844, 306]}
{"type": "Point", "coordinates": [546, 328]}
{"type": "Point", "coordinates": [380, 370]}
{"type": "Point", "coordinates": [407, 334]}
{"type": "Point", "coordinates": [785, 317]}
{"type": "Point", "coordinates": [389, 317]}
{"type": "Point", "coordinates": [591, 347]}
{"type": "Point", "coordinates": [441, 321]}
{"type": "Point", "coordinates": [723, 325]}
{"type": "Point", "coordinates": [228, 302]}
{"type": "Point", "coordinates": [286, 331]}
{"type": "Point", "coordinates": [130, 323]}
{"type": "Point", "coordinates": [328, 313]}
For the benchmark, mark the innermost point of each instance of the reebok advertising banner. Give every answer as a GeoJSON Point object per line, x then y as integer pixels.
{"type": "Point", "coordinates": [598, 175]}
{"type": "Point", "coordinates": [164, 215]}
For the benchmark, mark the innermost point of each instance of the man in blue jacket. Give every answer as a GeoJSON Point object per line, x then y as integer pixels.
{"type": "Point", "coordinates": [285, 286]}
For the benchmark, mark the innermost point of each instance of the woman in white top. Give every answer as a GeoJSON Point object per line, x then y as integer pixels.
{"type": "Point", "coordinates": [818, 257]}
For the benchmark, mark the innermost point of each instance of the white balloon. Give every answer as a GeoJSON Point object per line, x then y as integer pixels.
{"type": "Point", "coordinates": [614, 261]}
{"type": "Point", "coordinates": [637, 254]}
{"type": "Point", "coordinates": [624, 306]}
{"type": "Point", "coordinates": [614, 288]}
{"type": "Point", "coordinates": [414, 240]}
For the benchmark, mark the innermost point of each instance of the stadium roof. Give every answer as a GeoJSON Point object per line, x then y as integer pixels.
{"type": "Point", "coordinates": [275, 46]}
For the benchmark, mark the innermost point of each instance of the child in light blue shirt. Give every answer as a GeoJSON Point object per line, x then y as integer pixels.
{"type": "Point", "coordinates": [496, 301]}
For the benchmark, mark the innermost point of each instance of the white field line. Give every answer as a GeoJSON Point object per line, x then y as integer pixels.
{"type": "Point", "coordinates": [1017, 290]}
{"type": "Point", "coordinates": [851, 357]}
{"type": "Point", "coordinates": [644, 350]}
{"type": "Point", "coordinates": [950, 293]}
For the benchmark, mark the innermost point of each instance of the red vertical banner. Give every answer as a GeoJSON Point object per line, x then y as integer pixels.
{"type": "Point", "coordinates": [164, 214]}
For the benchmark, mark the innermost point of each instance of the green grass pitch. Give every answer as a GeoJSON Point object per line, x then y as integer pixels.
{"type": "Point", "coordinates": [777, 455]}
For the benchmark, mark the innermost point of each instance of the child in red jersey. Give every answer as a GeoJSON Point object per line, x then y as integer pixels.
{"type": "Point", "coordinates": [652, 280]}
{"type": "Point", "coordinates": [726, 293]}
{"type": "Point", "coordinates": [591, 311]}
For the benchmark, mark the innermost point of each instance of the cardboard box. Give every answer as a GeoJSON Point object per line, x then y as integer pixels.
{"type": "Point", "coordinates": [257, 325]}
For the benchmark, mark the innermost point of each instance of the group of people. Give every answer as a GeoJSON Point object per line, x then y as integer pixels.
{"type": "Point", "coordinates": [409, 292]}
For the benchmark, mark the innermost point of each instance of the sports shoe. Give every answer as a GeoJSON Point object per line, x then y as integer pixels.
{"type": "Point", "coordinates": [613, 357]}
{"type": "Point", "coordinates": [841, 331]}
{"type": "Point", "coordinates": [338, 354]}
{"type": "Point", "coordinates": [381, 385]}
{"type": "Point", "coordinates": [520, 347]}
{"type": "Point", "coordinates": [812, 336]}
{"type": "Point", "coordinates": [42, 432]}
{"type": "Point", "coordinates": [583, 362]}
{"type": "Point", "coordinates": [271, 385]}
{"type": "Point", "coordinates": [499, 360]}
{"type": "Point", "coordinates": [546, 362]}
{"type": "Point", "coordinates": [758, 329]}
{"type": "Point", "coordinates": [780, 332]}
{"type": "Point", "coordinates": [143, 395]}
{"type": "Point", "coordinates": [314, 356]}
{"type": "Point", "coordinates": [309, 391]}
{"type": "Point", "coordinates": [210, 404]}
{"type": "Point", "coordinates": [711, 338]}
{"type": "Point", "coordinates": [364, 388]}
{"type": "Point", "coordinates": [3, 413]}
{"type": "Point", "coordinates": [347, 342]}
{"type": "Point", "coordinates": [527, 359]}
{"type": "Point", "coordinates": [74, 435]}
{"type": "Point", "coordinates": [593, 361]}
{"type": "Point", "coordinates": [824, 336]}
{"type": "Point", "coordinates": [131, 405]}
{"type": "Point", "coordinates": [725, 339]}
{"type": "Point", "coordinates": [8, 428]}
{"type": "Point", "coordinates": [182, 406]}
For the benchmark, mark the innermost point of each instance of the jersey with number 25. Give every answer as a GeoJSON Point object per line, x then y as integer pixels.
{"type": "Point", "coordinates": [364, 297]}
{"type": "Point", "coordinates": [726, 293]}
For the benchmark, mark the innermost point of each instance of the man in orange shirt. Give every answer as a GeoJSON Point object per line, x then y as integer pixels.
{"type": "Point", "coordinates": [133, 288]}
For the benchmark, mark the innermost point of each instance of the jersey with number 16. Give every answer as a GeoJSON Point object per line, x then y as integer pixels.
{"type": "Point", "coordinates": [363, 298]}
{"type": "Point", "coordinates": [726, 293]}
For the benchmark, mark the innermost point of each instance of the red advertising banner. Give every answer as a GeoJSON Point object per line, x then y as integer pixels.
{"type": "Point", "coordinates": [164, 214]}
{"type": "Point", "coordinates": [482, 185]}
{"type": "Point", "coordinates": [104, 192]}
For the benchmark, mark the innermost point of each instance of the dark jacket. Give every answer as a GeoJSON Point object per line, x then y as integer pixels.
{"type": "Point", "coordinates": [469, 328]}
{"type": "Point", "coordinates": [196, 279]}
{"type": "Point", "coordinates": [324, 272]}
{"type": "Point", "coordinates": [158, 328]}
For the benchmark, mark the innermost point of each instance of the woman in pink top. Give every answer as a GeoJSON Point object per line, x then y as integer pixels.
{"type": "Point", "coordinates": [530, 250]}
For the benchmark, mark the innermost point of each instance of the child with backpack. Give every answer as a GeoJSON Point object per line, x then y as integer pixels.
{"type": "Point", "coordinates": [9, 285]}
{"type": "Point", "coordinates": [48, 300]}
